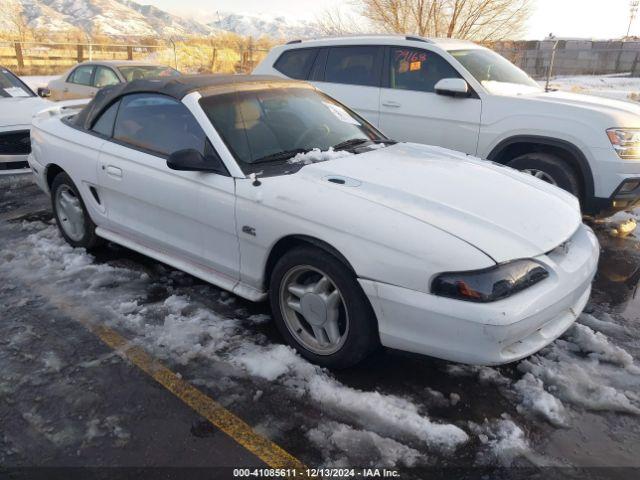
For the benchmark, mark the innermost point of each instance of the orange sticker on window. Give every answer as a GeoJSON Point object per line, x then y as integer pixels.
{"type": "Point", "coordinates": [413, 66]}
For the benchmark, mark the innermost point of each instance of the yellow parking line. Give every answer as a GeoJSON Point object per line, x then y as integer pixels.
{"type": "Point", "coordinates": [263, 448]}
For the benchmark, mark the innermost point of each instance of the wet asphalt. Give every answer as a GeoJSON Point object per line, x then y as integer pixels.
{"type": "Point", "coordinates": [66, 399]}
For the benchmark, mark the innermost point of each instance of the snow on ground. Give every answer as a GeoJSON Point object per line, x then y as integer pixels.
{"type": "Point", "coordinates": [618, 86]}
{"type": "Point", "coordinates": [181, 330]}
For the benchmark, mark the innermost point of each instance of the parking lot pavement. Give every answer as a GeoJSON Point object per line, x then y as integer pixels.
{"type": "Point", "coordinates": [69, 399]}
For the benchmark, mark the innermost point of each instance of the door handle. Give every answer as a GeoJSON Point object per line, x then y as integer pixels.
{"type": "Point", "coordinates": [392, 104]}
{"type": "Point", "coordinates": [114, 171]}
{"type": "Point", "coordinates": [65, 90]}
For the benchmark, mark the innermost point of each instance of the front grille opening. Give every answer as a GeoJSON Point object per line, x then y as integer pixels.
{"type": "Point", "coordinates": [15, 143]}
{"type": "Point", "coordinates": [13, 165]}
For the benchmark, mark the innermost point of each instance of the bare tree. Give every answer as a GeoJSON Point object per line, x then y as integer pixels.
{"type": "Point", "coordinates": [480, 20]}
{"type": "Point", "coordinates": [13, 15]}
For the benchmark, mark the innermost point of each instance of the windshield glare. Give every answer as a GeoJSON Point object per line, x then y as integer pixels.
{"type": "Point", "coordinates": [11, 86]}
{"type": "Point", "coordinates": [494, 72]}
{"type": "Point", "coordinates": [257, 124]}
{"type": "Point", "coordinates": [138, 72]}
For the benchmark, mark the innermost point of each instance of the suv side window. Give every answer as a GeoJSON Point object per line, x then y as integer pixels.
{"type": "Point", "coordinates": [296, 63]}
{"type": "Point", "coordinates": [104, 124]}
{"type": "Point", "coordinates": [81, 75]}
{"type": "Point", "coordinates": [418, 70]}
{"type": "Point", "coordinates": [104, 77]}
{"type": "Point", "coordinates": [159, 125]}
{"type": "Point", "coordinates": [358, 65]}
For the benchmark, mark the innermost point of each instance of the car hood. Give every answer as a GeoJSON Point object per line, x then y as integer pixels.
{"type": "Point", "coordinates": [612, 107]}
{"type": "Point", "coordinates": [19, 110]}
{"type": "Point", "coordinates": [503, 212]}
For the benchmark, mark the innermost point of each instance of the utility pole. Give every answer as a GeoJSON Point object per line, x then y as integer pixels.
{"type": "Point", "coordinates": [633, 11]}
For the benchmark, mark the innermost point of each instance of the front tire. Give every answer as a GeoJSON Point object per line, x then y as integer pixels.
{"type": "Point", "coordinates": [550, 169]}
{"type": "Point", "coordinates": [321, 310]}
{"type": "Point", "coordinates": [71, 215]}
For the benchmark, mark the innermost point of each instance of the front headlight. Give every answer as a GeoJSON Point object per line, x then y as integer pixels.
{"type": "Point", "coordinates": [490, 284]}
{"type": "Point", "coordinates": [625, 141]}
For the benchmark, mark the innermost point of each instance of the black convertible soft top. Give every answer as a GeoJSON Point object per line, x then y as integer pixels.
{"type": "Point", "coordinates": [176, 87]}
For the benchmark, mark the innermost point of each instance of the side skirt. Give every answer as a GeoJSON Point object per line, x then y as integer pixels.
{"type": "Point", "coordinates": [203, 273]}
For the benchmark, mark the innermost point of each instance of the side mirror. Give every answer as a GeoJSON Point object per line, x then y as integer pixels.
{"type": "Point", "coordinates": [190, 160]}
{"type": "Point", "coordinates": [452, 87]}
{"type": "Point", "coordinates": [43, 92]}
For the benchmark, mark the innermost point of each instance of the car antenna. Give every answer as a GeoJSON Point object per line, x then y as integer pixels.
{"type": "Point", "coordinates": [254, 180]}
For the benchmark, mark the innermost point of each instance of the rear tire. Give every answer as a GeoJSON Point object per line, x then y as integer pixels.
{"type": "Point", "coordinates": [71, 215]}
{"type": "Point", "coordinates": [333, 340]}
{"type": "Point", "coordinates": [551, 169]}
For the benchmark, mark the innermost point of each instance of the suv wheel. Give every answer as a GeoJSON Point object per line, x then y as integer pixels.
{"type": "Point", "coordinates": [321, 310]}
{"type": "Point", "coordinates": [71, 215]}
{"type": "Point", "coordinates": [550, 169]}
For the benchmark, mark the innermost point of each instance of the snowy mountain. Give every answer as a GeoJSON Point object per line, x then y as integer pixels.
{"type": "Point", "coordinates": [264, 25]}
{"type": "Point", "coordinates": [127, 18]}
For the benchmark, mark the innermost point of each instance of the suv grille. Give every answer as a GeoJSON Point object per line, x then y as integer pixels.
{"type": "Point", "coordinates": [15, 143]}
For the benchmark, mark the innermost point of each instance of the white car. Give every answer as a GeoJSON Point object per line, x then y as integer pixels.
{"type": "Point", "coordinates": [270, 189]}
{"type": "Point", "coordinates": [18, 104]}
{"type": "Point", "coordinates": [462, 96]}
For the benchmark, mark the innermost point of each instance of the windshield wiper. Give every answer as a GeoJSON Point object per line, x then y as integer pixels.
{"type": "Point", "coordinates": [283, 155]}
{"type": "Point", "coordinates": [352, 142]}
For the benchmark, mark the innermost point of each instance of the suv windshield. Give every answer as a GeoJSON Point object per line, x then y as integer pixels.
{"type": "Point", "coordinates": [137, 72]}
{"type": "Point", "coordinates": [497, 74]}
{"type": "Point", "coordinates": [273, 125]}
{"type": "Point", "coordinates": [12, 86]}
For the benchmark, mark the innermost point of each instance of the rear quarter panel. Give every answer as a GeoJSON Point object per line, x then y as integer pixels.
{"type": "Point", "coordinates": [55, 143]}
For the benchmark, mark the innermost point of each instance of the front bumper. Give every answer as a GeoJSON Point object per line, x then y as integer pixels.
{"type": "Point", "coordinates": [490, 333]}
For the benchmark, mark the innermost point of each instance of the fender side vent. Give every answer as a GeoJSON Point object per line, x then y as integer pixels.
{"type": "Point", "coordinates": [94, 192]}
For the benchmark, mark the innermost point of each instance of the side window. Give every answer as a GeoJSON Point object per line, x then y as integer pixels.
{"type": "Point", "coordinates": [81, 75]}
{"type": "Point", "coordinates": [104, 124]}
{"type": "Point", "coordinates": [416, 69]}
{"type": "Point", "coordinates": [104, 77]}
{"type": "Point", "coordinates": [354, 65]}
{"type": "Point", "coordinates": [296, 63]}
{"type": "Point", "coordinates": [158, 124]}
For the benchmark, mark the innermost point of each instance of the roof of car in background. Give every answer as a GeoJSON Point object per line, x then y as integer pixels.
{"type": "Point", "coordinates": [176, 87]}
{"type": "Point", "coordinates": [444, 43]}
{"type": "Point", "coordinates": [123, 63]}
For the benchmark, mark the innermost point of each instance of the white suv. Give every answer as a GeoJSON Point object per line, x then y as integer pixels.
{"type": "Point", "coordinates": [465, 97]}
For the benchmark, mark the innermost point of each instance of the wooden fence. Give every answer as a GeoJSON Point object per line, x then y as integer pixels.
{"type": "Point", "coordinates": [43, 58]}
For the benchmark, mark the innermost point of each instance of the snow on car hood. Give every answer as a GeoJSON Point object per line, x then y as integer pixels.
{"type": "Point", "coordinates": [19, 110]}
{"type": "Point", "coordinates": [504, 213]}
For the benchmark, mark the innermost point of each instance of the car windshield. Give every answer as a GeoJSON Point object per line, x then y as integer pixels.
{"type": "Point", "coordinates": [273, 125]}
{"type": "Point", "coordinates": [138, 72]}
{"type": "Point", "coordinates": [12, 86]}
{"type": "Point", "coordinates": [497, 74]}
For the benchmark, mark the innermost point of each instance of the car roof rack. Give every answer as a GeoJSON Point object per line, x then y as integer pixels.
{"type": "Point", "coordinates": [418, 39]}
{"type": "Point", "coordinates": [294, 41]}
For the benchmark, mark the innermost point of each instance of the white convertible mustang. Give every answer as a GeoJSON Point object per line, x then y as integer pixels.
{"type": "Point", "coordinates": [270, 189]}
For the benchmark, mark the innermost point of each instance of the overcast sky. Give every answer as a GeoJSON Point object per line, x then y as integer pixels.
{"type": "Point", "coordinates": [564, 18]}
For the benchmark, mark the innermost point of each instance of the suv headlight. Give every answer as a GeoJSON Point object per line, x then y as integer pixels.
{"type": "Point", "coordinates": [625, 141]}
{"type": "Point", "coordinates": [490, 284]}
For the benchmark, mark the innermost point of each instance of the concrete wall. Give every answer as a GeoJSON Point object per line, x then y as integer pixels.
{"type": "Point", "coordinates": [573, 57]}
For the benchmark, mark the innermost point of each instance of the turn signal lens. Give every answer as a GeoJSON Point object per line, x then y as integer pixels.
{"type": "Point", "coordinates": [625, 141]}
{"type": "Point", "coordinates": [491, 284]}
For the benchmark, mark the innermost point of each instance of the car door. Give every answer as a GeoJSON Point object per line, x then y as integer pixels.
{"type": "Point", "coordinates": [189, 215]}
{"type": "Point", "coordinates": [79, 83]}
{"type": "Point", "coordinates": [351, 74]}
{"type": "Point", "coordinates": [411, 110]}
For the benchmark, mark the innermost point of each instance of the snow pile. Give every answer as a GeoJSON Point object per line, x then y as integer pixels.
{"type": "Point", "coordinates": [502, 439]}
{"type": "Point", "coordinates": [317, 155]}
{"type": "Point", "coordinates": [537, 400]}
{"type": "Point", "coordinates": [365, 448]}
